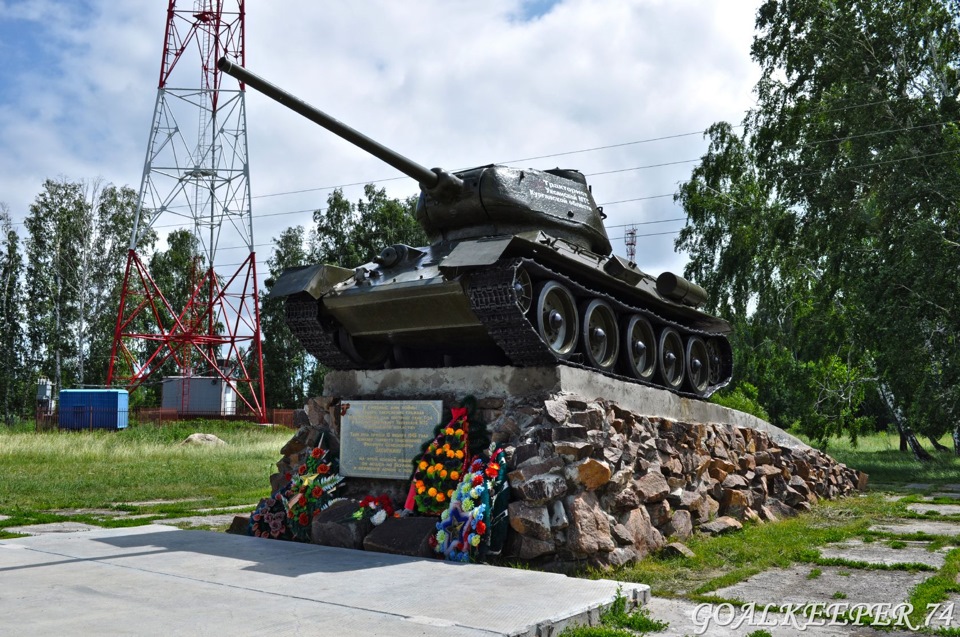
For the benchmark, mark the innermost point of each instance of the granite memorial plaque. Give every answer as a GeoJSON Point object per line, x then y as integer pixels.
{"type": "Point", "coordinates": [380, 438]}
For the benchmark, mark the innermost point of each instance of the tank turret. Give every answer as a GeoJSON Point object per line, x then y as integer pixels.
{"type": "Point", "coordinates": [520, 271]}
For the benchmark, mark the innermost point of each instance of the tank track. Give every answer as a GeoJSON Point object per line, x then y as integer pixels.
{"type": "Point", "coordinates": [303, 319]}
{"type": "Point", "coordinates": [494, 301]}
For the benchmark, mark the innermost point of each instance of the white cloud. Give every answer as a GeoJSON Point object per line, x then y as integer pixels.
{"type": "Point", "coordinates": [452, 83]}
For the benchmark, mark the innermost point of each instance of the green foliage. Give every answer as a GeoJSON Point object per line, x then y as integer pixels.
{"type": "Point", "coordinates": [344, 234]}
{"type": "Point", "coordinates": [615, 621]}
{"type": "Point", "coordinates": [286, 367]}
{"type": "Point", "coordinates": [639, 620]}
{"type": "Point", "coordinates": [744, 397]}
{"type": "Point", "coordinates": [349, 235]}
{"type": "Point", "coordinates": [829, 230]}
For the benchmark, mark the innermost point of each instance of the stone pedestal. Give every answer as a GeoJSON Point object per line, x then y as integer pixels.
{"type": "Point", "coordinates": [601, 471]}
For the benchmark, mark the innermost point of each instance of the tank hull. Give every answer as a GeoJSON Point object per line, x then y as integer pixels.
{"type": "Point", "coordinates": [459, 303]}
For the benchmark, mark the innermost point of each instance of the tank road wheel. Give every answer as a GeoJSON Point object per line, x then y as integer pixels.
{"type": "Point", "coordinates": [556, 318]}
{"type": "Point", "coordinates": [368, 354]}
{"type": "Point", "coordinates": [697, 358]}
{"type": "Point", "coordinates": [598, 332]}
{"type": "Point", "coordinates": [670, 358]}
{"type": "Point", "coordinates": [713, 355]}
{"type": "Point", "coordinates": [639, 348]}
{"type": "Point", "coordinates": [523, 286]}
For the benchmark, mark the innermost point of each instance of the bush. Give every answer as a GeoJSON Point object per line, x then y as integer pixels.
{"type": "Point", "coordinates": [744, 397]}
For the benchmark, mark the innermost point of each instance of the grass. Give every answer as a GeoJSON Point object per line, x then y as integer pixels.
{"type": "Point", "coordinates": [45, 472]}
{"type": "Point", "coordinates": [616, 621]}
{"type": "Point", "coordinates": [879, 455]}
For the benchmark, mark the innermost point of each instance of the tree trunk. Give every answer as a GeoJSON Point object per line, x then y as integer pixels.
{"type": "Point", "coordinates": [936, 444]}
{"type": "Point", "coordinates": [906, 434]}
{"type": "Point", "coordinates": [956, 440]}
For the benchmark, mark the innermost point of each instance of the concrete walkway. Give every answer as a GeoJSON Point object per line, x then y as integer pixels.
{"type": "Point", "coordinates": [864, 591]}
{"type": "Point", "coordinates": [159, 580]}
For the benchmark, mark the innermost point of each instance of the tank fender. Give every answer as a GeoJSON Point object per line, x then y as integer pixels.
{"type": "Point", "coordinates": [315, 280]}
{"type": "Point", "coordinates": [476, 252]}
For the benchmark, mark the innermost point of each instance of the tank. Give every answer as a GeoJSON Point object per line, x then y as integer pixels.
{"type": "Point", "coordinates": [519, 271]}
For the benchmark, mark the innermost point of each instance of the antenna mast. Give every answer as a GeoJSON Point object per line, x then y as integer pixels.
{"type": "Point", "coordinates": [195, 178]}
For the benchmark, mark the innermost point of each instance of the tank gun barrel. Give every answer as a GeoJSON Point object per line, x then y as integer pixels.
{"type": "Point", "coordinates": [428, 179]}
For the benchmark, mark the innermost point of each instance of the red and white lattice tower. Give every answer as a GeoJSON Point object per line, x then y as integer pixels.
{"type": "Point", "coordinates": [196, 177]}
{"type": "Point", "coordinates": [630, 238]}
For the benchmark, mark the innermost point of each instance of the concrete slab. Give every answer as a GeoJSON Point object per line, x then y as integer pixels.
{"type": "Point", "coordinates": [496, 381]}
{"type": "Point", "coordinates": [150, 503]}
{"type": "Point", "coordinates": [4, 517]}
{"type": "Point", "coordinates": [951, 495]}
{"type": "Point", "coordinates": [881, 553]}
{"type": "Point", "coordinates": [199, 520]}
{"type": "Point", "coordinates": [793, 586]}
{"type": "Point", "coordinates": [53, 527]}
{"type": "Point", "coordinates": [159, 581]}
{"type": "Point", "coordinates": [942, 509]}
{"type": "Point", "coordinates": [237, 507]}
{"type": "Point", "coordinates": [102, 513]}
{"type": "Point", "coordinates": [932, 527]}
{"type": "Point", "coordinates": [918, 486]}
{"type": "Point", "coordinates": [950, 487]}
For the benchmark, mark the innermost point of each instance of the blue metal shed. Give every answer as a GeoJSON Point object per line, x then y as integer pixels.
{"type": "Point", "coordinates": [94, 408]}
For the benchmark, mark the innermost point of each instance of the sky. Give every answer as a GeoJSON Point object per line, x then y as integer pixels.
{"type": "Point", "coordinates": [451, 83]}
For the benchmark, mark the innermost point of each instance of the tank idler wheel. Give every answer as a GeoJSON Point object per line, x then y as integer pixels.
{"type": "Point", "coordinates": [523, 287]}
{"type": "Point", "coordinates": [555, 316]}
{"type": "Point", "coordinates": [713, 355]}
{"type": "Point", "coordinates": [369, 354]}
{"type": "Point", "coordinates": [670, 358]}
{"type": "Point", "coordinates": [639, 352]}
{"type": "Point", "coordinates": [697, 359]}
{"type": "Point", "coordinates": [598, 334]}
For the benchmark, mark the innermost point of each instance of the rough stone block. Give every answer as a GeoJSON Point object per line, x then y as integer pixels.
{"type": "Point", "coordinates": [529, 548]}
{"type": "Point", "coordinates": [593, 474]}
{"type": "Point", "coordinates": [531, 521]}
{"type": "Point", "coordinates": [531, 469]}
{"type": "Point", "coordinates": [566, 432]}
{"type": "Point", "coordinates": [651, 487]}
{"type": "Point", "coordinates": [403, 536]}
{"type": "Point", "coordinates": [589, 530]}
{"type": "Point", "coordinates": [556, 410]}
{"type": "Point", "coordinates": [734, 503]}
{"type": "Point", "coordinates": [525, 452]}
{"type": "Point", "coordinates": [334, 526]}
{"type": "Point", "coordinates": [540, 489]}
{"type": "Point", "coordinates": [646, 538]}
{"type": "Point", "coordinates": [240, 525]}
{"type": "Point", "coordinates": [721, 525]}
{"type": "Point", "coordinates": [592, 419]}
{"type": "Point", "coordinates": [558, 516]}
{"type": "Point", "coordinates": [659, 512]}
{"type": "Point", "coordinates": [680, 525]}
{"type": "Point", "coordinates": [735, 481]}
{"type": "Point", "coordinates": [676, 549]}
{"type": "Point", "coordinates": [625, 500]}
{"type": "Point", "coordinates": [574, 449]}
